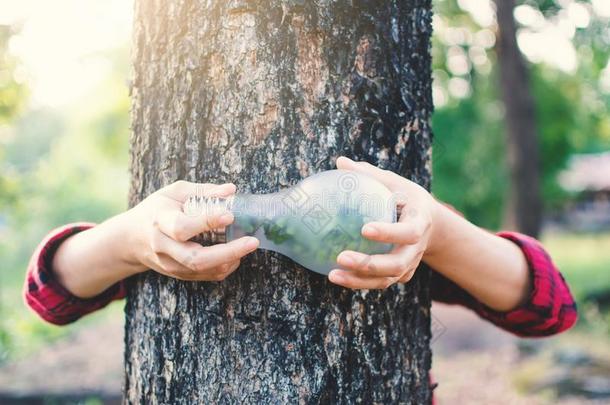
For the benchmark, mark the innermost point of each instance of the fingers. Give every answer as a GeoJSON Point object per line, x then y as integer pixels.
{"type": "Point", "coordinates": [168, 266]}
{"type": "Point", "coordinates": [202, 258]}
{"type": "Point", "coordinates": [398, 233]}
{"type": "Point", "coordinates": [181, 227]}
{"type": "Point", "coordinates": [182, 252]}
{"type": "Point", "coordinates": [350, 280]}
{"type": "Point", "coordinates": [216, 255]}
{"type": "Point", "coordinates": [388, 178]}
{"type": "Point", "coordinates": [356, 281]}
{"type": "Point", "coordinates": [376, 271]}
{"type": "Point", "coordinates": [181, 190]}
{"type": "Point", "coordinates": [407, 277]}
{"type": "Point", "coordinates": [191, 261]}
{"type": "Point", "coordinates": [167, 248]}
{"type": "Point", "coordinates": [389, 265]}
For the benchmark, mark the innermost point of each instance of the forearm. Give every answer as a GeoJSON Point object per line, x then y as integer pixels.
{"type": "Point", "coordinates": [91, 261]}
{"type": "Point", "coordinates": [490, 268]}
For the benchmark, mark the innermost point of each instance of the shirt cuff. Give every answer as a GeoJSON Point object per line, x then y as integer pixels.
{"type": "Point", "coordinates": [549, 307]}
{"type": "Point", "coordinates": [46, 296]}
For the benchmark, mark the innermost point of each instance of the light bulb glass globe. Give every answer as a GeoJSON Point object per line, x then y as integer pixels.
{"type": "Point", "coordinates": [312, 221]}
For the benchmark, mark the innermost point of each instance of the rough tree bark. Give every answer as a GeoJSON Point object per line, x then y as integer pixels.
{"type": "Point", "coordinates": [264, 93]}
{"type": "Point", "coordinates": [523, 211]}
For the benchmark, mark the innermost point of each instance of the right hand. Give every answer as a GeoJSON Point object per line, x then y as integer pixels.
{"type": "Point", "coordinates": [160, 233]}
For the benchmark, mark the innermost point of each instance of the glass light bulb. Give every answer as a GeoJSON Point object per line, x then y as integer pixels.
{"type": "Point", "coordinates": [310, 222]}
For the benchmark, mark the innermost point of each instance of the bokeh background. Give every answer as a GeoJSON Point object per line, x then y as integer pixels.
{"type": "Point", "coordinates": [64, 139]}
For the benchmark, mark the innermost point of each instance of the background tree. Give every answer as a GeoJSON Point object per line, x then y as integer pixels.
{"type": "Point", "coordinates": [568, 85]}
{"type": "Point", "coordinates": [263, 94]}
{"type": "Point", "coordinates": [523, 209]}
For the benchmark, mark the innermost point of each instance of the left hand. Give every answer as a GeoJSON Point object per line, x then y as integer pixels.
{"type": "Point", "coordinates": [411, 235]}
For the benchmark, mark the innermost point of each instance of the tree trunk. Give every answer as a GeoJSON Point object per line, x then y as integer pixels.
{"type": "Point", "coordinates": [262, 94]}
{"type": "Point", "coordinates": [523, 211]}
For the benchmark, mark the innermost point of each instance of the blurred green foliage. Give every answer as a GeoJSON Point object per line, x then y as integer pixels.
{"type": "Point", "coordinates": [584, 261]}
{"type": "Point", "coordinates": [57, 165]}
{"type": "Point", "coordinates": [12, 93]}
{"type": "Point", "coordinates": [573, 112]}
{"type": "Point", "coordinates": [12, 100]}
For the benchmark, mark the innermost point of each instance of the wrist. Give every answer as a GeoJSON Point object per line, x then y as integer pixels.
{"type": "Point", "coordinates": [123, 233]}
{"type": "Point", "coordinates": [437, 231]}
{"type": "Point", "coordinates": [90, 261]}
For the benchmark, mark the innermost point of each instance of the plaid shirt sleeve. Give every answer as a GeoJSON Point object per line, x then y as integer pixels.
{"type": "Point", "coordinates": [47, 297]}
{"type": "Point", "coordinates": [549, 308]}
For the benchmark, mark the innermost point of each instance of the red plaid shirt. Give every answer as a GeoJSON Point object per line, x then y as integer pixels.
{"type": "Point", "coordinates": [549, 309]}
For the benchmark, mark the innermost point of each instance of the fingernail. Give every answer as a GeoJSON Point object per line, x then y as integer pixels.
{"type": "Point", "coordinates": [225, 190]}
{"type": "Point", "coordinates": [346, 259]}
{"type": "Point", "coordinates": [370, 230]}
{"type": "Point", "coordinates": [336, 277]}
{"type": "Point", "coordinates": [251, 243]}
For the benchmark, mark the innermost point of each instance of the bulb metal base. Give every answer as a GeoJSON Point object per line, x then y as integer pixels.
{"type": "Point", "coordinates": [203, 206]}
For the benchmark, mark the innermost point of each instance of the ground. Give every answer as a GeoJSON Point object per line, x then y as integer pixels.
{"type": "Point", "coordinates": [474, 363]}
{"type": "Point", "coordinates": [87, 364]}
{"type": "Point", "coordinates": [477, 363]}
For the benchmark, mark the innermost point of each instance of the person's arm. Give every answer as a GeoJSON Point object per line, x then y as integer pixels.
{"type": "Point", "coordinates": [50, 299]}
{"type": "Point", "coordinates": [491, 269]}
{"type": "Point", "coordinates": [548, 309]}
{"type": "Point", "coordinates": [81, 268]}
{"type": "Point", "coordinates": [96, 258]}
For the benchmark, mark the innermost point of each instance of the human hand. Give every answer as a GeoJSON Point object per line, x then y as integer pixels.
{"type": "Point", "coordinates": [410, 235]}
{"type": "Point", "coordinates": [159, 233]}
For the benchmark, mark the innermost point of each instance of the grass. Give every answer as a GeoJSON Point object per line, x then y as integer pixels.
{"type": "Point", "coordinates": [583, 259]}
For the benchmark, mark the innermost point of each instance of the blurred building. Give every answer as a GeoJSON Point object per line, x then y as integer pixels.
{"type": "Point", "coordinates": [588, 177]}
